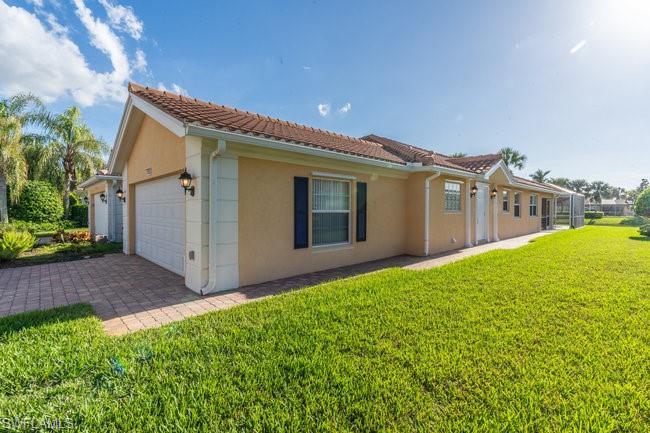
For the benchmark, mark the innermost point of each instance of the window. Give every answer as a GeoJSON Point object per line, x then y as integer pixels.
{"type": "Point", "coordinates": [517, 204]}
{"type": "Point", "coordinates": [330, 206]}
{"type": "Point", "coordinates": [506, 201]}
{"type": "Point", "coordinates": [533, 205]}
{"type": "Point", "coordinates": [452, 197]}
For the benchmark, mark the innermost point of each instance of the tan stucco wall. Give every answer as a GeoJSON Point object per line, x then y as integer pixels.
{"type": "Point", "coordinates": [155, 148]}
{"type": "Point", "coordinates": [266, 222]}
{"type": "Point", "coordinates": [92, 191]}
{"type": "Point", "coordinates": [446, 229]}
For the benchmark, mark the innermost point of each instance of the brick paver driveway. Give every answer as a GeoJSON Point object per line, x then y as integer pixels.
{"type": "Point", "coordinates": [130, 293]}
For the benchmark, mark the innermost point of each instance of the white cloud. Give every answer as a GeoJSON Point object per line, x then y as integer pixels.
{"type": "Point", "coordinates": [140, 62]}
{"type": "Point", "coordinates": [306, 68]}
{"type": "Point", "coordinates": [324, 109]}
{"type": "Point", "coordinates": [123, 18]}
{"type": "Point", "coordinates": [175, 88]}
{"type": "Point", "coordinates": [37, 3]}
{"type": "Point", "coordinates": [46, 62]}
{"type": "Point", "coordinates": [345, 108]}
{"type": "Point", "coordinates": [580, 45]}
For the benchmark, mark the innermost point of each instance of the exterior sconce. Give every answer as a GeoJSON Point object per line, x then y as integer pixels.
{"type": "Point", "coordinates": [85, 199]}
{"type": "Point", "coordinates": [120, 195]}
{"type": "Point", "coordinates": [493, 194]}
{"type": "Point", "coordinates": [474, 191]}
{"type": "Point", "coordinates": [102, 197]}
{"type": "Point", "coordinates": [186, 181]}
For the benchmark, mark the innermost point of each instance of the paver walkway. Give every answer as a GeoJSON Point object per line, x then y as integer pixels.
{"type": "Point", "coordinates": [130, 293]}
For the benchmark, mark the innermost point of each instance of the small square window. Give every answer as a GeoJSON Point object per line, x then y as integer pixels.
{"type": "Point", "coordinates": [452, 197]}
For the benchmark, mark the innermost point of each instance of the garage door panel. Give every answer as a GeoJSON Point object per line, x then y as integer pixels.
{"type": "Point", "coordinates": [160, 223]}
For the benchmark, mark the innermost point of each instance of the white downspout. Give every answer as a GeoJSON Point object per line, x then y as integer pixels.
{"type": "Point", "coordinates": [427, 187]}
{"type": "Point", "coordinates": [468, 214]}
{"type": "Point", "coordinates": [210, 286]}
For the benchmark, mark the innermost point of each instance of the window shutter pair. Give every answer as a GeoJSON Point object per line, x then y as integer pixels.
{"type": "Point", "coordinates": [301, 212]}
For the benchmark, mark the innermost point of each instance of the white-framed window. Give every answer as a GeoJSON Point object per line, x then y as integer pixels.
{"type": "Point", "coordinates": [330, 207]}
{"type": "Point", "coordinates": [452, 196]}
{"type": "Point", "coordinates": [506, 200]}
{"type": "Point", "coordinates": [517, 204]}
{"type": "Point", "coordinates": [533, 205]}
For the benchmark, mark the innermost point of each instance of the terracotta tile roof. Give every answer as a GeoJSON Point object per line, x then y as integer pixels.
{"type": "Point", "coordinates": [197, 112]}
{"type": "Point", "coordinates": [477, 164]}
{"type": "Point", "coordinates": [534, 183]}
{"type": "Point", "coordinates": [412, 153]}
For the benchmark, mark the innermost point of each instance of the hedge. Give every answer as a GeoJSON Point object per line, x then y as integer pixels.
{"type": "Point", "coordinates": [594, 214]}
{"type": "Point", "coordinates": [645, 230]}
{"type": "Point", "coordinates": [39, 202]}
{"type": "Point", "coordinates": [79, 214]}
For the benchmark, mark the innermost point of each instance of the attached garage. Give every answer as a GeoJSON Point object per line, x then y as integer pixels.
{"type": "Point", "coordinates": [160, 223]}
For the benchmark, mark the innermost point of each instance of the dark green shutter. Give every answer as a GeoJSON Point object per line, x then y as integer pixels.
{"type": "Point", "coordinates": [362, 199]}
{"type": "Point", "coordinates": [300, 212]}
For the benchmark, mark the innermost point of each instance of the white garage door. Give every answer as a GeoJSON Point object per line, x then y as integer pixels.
{"type": "Point", "coordinates": [101, 216]}
{"type": "Point", "coordinates": [160, 223]}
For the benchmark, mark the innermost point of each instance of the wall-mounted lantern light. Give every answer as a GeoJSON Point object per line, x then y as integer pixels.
{"type": "Point", "coordinates": [120, 195]}
{"type": "Point", "coordinates": [102, 197]}
{"type": "Point", "coordinates": [474, 191]}
{"type": "Point", "coordinates": [493, 194]}
{"type": "Point", "coordinates": [186, 181]}
{"type": "Point", "coordinates": [86, 199]}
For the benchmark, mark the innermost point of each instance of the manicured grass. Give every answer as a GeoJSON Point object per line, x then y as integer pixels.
{"type": "Point", "coordinates": [554, 336]}
{"type": "Point", "coordinates": [619, 221]}
{"type": "Point", "coordinates": [62, 252]}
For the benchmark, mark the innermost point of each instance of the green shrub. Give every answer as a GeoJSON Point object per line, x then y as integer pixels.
{"type": "Point", "coordinates": [13, 243]}
{"type": "Point", "coordinates": [594, 214]}
{"type": "Point", "coordinates": [79, 215]}
{"type": "Point", "coordinates": [39, 202]}
{"type": "Point", "coordinates": [635, 221]}
{"type": "Point", "coordinates": [33, 227]}
{"type": "Point", "coordinates": [642, 203]}
{"type": "Point", "coordinates": [645, 230]}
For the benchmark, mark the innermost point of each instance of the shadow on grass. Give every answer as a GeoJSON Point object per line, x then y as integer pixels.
{"type": "Point", "coordinates": [36, 319]}
{"type": "Point", "coordinates": [640, 238]}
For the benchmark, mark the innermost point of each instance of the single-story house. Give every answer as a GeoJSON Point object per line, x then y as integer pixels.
{"type": "Point", "coordinates": [229, 198]}
{"type": "Point", "coordinates": [104, 206]}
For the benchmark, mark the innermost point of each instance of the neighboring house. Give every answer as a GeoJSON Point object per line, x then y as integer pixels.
{"type": "Point", "coordinates": [104, 207]}
{"type": "Point", "coordinates": [271, 199]}
{"type": "Point", "coordinates": [611, 206]}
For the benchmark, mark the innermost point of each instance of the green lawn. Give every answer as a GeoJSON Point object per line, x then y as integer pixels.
{"type": "Point", "coordinates": [62, 252]}
{"type": "Point", "coordinates": [619, 221]}
{"type": "Point", "coordinates": [554, 336]}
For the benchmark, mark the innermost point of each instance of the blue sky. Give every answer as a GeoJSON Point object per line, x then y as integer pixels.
{"type": "Point", "coordinates": [567, 83]}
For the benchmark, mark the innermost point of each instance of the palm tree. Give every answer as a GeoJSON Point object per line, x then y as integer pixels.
{"type": "Point", "coordinates": [73, 150]}
{"type": "Point", "coordinates": [513, 158]}
{"type": "Point", "coordinates": [540, 175]}
{"type": "Point", "coordinates": [458, 155]}
{"type": "Point", "coordinates": [564, 182]}
{"type": "Point", "coordinates": [16, 113]}
{"type": "Point", "coordinates": [580, 186]}
{"type": "Point", "coordinates": [599, 190]}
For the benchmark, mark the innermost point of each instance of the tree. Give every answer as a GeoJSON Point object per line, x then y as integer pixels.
{"type": "Point", "coordinates": [579, 185]}
{"type": "Point", "coordinates": [599, 190]}
{"type": "Point", "coordinates": [458, 155]}
{"type": "Point", "coordinates": [642, 204]}
{"type": "Point", "coordinates": [16, 113]}
{"type": "Point", "coordinates": [73, 149]}
{"type": "Point", "coordinates": [540, 175]}
{"type": "Point", "coordinates": [563, 182]}
{"type": "Point", "coordinates": [513, 158]}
